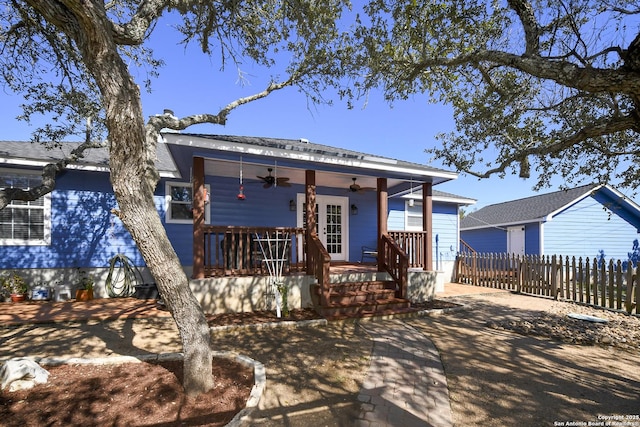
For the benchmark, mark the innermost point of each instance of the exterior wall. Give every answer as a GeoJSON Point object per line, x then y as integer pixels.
{"type": "Point", "coordinates": [532, 239]}
{"type": "Point", "coordinates": [494, 239]}
{"type": "Point", "coordinates": [244, 294]}
{"type": "Point", "coordinates": [585, 229]}
{"type": "Point", "coordinates": [486, 240]}
{"type": "Point", "coordinates": [445, 227]}
{"type": "Point", "coordinates": [84, 232]}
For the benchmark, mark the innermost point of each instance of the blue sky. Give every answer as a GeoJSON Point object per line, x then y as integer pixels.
{"type": "Point", "coordinates": [191, 83]}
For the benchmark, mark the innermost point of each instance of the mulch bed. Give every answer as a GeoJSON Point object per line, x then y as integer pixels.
{"type": "Point", "coordinates": [130, 394]}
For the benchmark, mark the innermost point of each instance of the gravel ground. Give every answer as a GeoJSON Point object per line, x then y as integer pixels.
{"type": "Point", "coordinates": [619, 329]}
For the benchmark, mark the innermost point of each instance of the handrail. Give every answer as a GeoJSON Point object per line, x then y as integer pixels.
{"type": "Point", "coordinates": [234, 250]}
{"type": "Point", "coordinates": [320, 261]}
{"type": "Point", "coordinates": [395, 261]}
{"type": "Point", "coordinates": [467, 247]}
{"type": "Point", "coordinates": [413, 244]}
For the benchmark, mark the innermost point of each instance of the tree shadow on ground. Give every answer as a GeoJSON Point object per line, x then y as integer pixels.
{"type": "Point", "coordinates": [499, 378]}
{"type": "Point", "coordinates": [314, 374]}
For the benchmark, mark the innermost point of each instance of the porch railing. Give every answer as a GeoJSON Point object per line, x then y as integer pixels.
{"type": "Point", "coordinates": [320, 260]}
{"type": "Point", "coordinates": [235, 251]}
{"type": "Point", "coordinates": [413, 244]}
{"type": "Point", "coordinates": [395, 261]}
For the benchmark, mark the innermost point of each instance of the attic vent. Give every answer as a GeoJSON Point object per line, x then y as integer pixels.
{"type": "Point", "coordinates": [304, 140]}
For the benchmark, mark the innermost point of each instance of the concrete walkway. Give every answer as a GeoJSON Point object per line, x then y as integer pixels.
{"type": "Point", "coordinates": [405, 385]}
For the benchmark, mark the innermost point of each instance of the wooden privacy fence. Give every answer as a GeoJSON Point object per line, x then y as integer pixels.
{"type": "Point", "coordinates": [612, 284]}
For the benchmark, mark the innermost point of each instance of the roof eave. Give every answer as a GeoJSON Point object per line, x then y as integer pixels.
{"type": "Point", "coordinates": [368, 162]}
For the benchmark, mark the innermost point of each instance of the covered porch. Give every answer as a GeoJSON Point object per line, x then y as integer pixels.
{"type": "Point", "coordinates": [321, 206]}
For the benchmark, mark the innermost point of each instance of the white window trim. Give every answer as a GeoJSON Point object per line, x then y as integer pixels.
{"type": "Point", "coordinates": [46, 205]}
{"type": "Point", "coordinates": [408, 214]}
{"type": "Point", "coordinates": [167, 203]}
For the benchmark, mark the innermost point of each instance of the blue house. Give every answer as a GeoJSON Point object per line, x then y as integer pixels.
{"type": "Point", "coordinates": [587, 221]}
{"type": "Point", "coordinates": [218, 195]}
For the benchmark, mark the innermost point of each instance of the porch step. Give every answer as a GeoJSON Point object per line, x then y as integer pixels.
{"type": "Point", "coordinates": [365, 309]}
{"type": "Point", "coordinates": [361, 299]}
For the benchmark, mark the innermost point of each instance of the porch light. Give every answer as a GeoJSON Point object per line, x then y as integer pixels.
{"type": "Point", "coordinates": [411, 202]}
{"type": "Point", "coordinates": [292, 205]}
{"type": "Point", "coordinates": [354, 210]}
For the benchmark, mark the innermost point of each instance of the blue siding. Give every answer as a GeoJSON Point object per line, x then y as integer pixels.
{"type": "Point", "coordinates": [486, 240]}
{"type": "Point", "coordinates": [364, 226]}
{"type": "Point", "coordinates": [396, 218]}
{"type": "Point", "coordinates": [532, 239]}
{"type": "Point", "coordinates": [445, 233]}
{"type": "Point", "coordinates": [84, 232]}
{"type": "Point", "coordinates": [445, 227]}
{"type": "Point", "coordinates": [585, 229]}
{"type": "Point", "coordinates": [270, 207]}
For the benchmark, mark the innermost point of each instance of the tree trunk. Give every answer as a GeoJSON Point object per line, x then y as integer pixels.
{"type": "Point", "coordinates": [134, 178]}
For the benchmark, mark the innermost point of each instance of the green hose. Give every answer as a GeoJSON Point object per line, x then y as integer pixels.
{"type": "Point", "coordinates": [126, 277]}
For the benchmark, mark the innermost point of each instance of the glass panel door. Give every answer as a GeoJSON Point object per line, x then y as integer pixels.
{"type": "Point", "coordinates": [332, 223]}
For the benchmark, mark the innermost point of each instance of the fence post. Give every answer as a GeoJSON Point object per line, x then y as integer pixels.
{"type": "Point", "coordinates": [519, 273]}
{"type": "Point", "coordinates": [554, 278]}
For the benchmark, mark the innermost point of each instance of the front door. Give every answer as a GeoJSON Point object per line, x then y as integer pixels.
{"type": "Point", "coordinates": [332, 223]}
{"type": "Point", "coordinates": [515, 240]}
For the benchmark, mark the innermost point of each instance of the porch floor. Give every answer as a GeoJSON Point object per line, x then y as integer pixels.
{"type": "Point", "coordinates": [101, 309]}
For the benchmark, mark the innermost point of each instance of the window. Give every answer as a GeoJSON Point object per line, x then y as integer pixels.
{"type": "Point", "coordinates": [24, 223]}
{"type": "Point", "coordinates": [179, 203]}
{"type": "Point", "coordinates": [413, 219]}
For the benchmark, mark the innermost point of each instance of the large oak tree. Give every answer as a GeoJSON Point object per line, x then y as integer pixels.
{"type": "Point", "coordinates": [74, 60]}
{"type": "Point", "coordinates": [549, 86]}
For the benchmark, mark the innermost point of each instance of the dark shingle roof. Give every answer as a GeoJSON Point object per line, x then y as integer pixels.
{"type": "Point", "coordinates": [524, 210]}
{"type": "Point", "coordinates": [97, 157]}
{"type": "Point", "coordinates": [305, 146]}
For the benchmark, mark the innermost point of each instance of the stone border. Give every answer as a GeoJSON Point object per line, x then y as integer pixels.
{"type": "Point", "coordinates": [259, 372]}
{"type": "Point", "coordinates": [271, 325]}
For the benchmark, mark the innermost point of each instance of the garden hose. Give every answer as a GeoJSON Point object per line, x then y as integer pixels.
{"type": "Point", "coordinates": [126, 277]}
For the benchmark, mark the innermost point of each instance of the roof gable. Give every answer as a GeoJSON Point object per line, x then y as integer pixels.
{"type": "Point", "coordinates": [530, 209]}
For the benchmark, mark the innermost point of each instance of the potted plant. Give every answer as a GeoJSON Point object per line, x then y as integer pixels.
{"type": "Point", "coordinates": [85, 287]}
{"type": "Point", "coordinates": [15, 286]}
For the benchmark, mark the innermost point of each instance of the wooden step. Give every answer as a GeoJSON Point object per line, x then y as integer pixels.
{"type": "Point", "coordinates": [352, 297]}
{"type": "Point", "coordinates": [358, 286]}
{"type": "Point", "coordinates": [365, 308]}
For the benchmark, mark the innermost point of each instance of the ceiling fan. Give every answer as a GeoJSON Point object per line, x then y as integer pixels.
{"type": "Point", "coordinates": [270, 180]}
{"type": "Point", "coordinates": [355, 188]}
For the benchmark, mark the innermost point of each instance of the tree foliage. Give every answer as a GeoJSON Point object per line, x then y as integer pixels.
{"type": "Point", "coordinates": [548, 85]}
{"type": "Point", "coordinates": [74, 60]}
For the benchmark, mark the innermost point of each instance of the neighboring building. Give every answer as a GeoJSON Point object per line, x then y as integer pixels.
{"type": "Point", "coordinates": [587, 221]}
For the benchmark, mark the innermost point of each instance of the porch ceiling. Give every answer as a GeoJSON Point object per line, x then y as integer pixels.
{"type": "Point", "coordinates": [250, 172]}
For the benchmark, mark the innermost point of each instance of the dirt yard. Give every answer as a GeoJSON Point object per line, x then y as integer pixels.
{"type": "Point", "coordinates": [511, 360]}
{"type": "Point", "coordinates": [506, 362]}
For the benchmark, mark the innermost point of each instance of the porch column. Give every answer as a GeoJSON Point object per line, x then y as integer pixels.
{"type": "Point", "coordinates": [383, 207]}
{"type": "Point", "coordinates": [427, 224]}
{"type": "Point", "coordinates": [310, 209]}
{"type": "Point", "coordinates": [198, 192]}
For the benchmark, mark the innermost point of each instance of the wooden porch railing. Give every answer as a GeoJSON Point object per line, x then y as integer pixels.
{"type": "Point", "coordinates": [234, 250]}
{"type": "Point", "coordinates": [395, 261]}
{"type": "Point", "coordinates": [413, 244]}
{"type": "Point", "coordinates": [320, 261]}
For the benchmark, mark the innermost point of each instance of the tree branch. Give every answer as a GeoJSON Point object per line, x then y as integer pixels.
{"type": "Point", "coordinates": [597, 130]}
{"type": "Point", "coordinates": [168, 120]}
{"type": "Point", "coordinates": [49, 174]}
